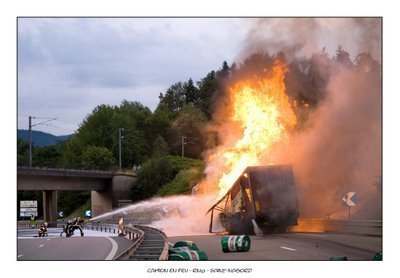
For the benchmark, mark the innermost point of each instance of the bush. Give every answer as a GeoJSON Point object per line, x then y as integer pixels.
{"type": "Point", "coordinates": [157, 172]}
{"type": "Point", "coordinates": [183, 182]}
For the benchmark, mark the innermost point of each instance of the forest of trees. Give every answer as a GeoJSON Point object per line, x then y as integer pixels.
{"type": "Point", "coordinates": [153, 140]}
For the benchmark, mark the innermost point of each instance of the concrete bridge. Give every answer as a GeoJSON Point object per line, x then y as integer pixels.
{"type": "Point", "coordinates": [108, 189]}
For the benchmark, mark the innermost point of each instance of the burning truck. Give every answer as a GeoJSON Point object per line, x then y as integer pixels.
{"type": "Point", "coordinates": [263, 197]}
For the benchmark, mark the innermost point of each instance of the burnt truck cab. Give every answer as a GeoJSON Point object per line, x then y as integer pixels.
{"type": "Point", "coordinates": [263, 196]}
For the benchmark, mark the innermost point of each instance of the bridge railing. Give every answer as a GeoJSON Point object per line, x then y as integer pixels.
{"type": "Point", "coordinates": [62, 171]}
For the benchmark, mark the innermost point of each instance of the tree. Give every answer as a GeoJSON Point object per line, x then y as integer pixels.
{"type": "Point", "coordinates": [189, 123]}
{"type": "Point", "coordinates": [101, 127]}
{"type": "Point", "coordinates": [365, 63]}
{"type": "Point", "coordinates": [72, 153]}
{"type": "Point", "coordinates": [207, 87]}
{"type": "Point", "coordinates": [343, 57]}
{"type": "Point", "coordinates": [174, 98]}
{"type": "Point", "coordinates": [152, 175]}
{"type": "Point", "coordinates": [97, 158]}
{"type": "Point", "coordinates": [160, 147]}
{"type": "Point", "coordinates": [97, 128]}
{"type": "Point", "coordinates": [158, 172]}
{"type": "Point", "coordinates": [22, 152]}
{"type": "Point", "coordinates": [191, 92]}
{"type": "Point", "coordinates": [49, 156]}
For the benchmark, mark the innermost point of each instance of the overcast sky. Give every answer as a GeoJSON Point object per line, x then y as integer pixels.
{"type": "Point", "coordinates": [68, 66]}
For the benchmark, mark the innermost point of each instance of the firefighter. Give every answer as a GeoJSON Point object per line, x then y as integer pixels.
{"type": "Point", "coordinates": [32, 221]}
{"type": "Point", "coordinates": [121, 227]}
{"type": "Point", "coordinates": [42, 231]}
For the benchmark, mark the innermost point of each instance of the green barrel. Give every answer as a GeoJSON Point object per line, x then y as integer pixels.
{"type": "Point", "coordinates": [240, 243]}
{"type": "Point", "coordinates": [378, 256]}
{"type": "Point", "coordinates": [187, 255]}
{"type": "Point", "coordinates": [178, 249]}
{"type": "Point", "coordinates": [186, 243]}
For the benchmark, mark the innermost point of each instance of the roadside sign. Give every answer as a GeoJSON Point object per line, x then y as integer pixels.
{"type": "Point", "coordinates": [349, 199]}
{"type": "Point", "coordinates": [28, 213]}
{"type": "Point", "coordinates": [28, 204]}
{"type": "Point", "coordinates": [88, 213]}
{"type": "Point", "coordinates": [61, 214]}
{"type": "Point", "coordinates": [28, 209]}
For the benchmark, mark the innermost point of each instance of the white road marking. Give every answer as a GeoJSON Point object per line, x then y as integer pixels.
{"type": "Point", "coordinates": [303, 234]}
{"type": "Point", "coordinates": [113, 249]}
{"type": "Point", "coordinates": [41, 245]}
{"type": "Point", "coordinates": [19, 256]}
{"type": "Point", "coordinates": [287, 248]}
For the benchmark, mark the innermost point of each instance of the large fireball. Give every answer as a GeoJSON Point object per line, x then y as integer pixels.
{"type": "Point", "coordinates": [262, 110]}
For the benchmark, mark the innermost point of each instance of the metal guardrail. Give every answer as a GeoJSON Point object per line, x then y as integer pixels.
{"type": "Point", "coordinates": [164, 253]}
{"type": "Point", "coordinates": [135, 233]}
{"type": "Point", "coordinates": [124, 256]}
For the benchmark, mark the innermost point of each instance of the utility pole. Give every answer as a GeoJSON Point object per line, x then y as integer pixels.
{"type": "Point", "coordinates": [187, 142]}
{"type": "Point", "coordinates": [183, 145]}
{"type": "Point", "coordinates": [120, 137]}
{"type": "Point", "coordinates": [119, 146]}
{"type": "Point", "coordinates": [30, 134]}
{"type": "Point", "coordinates": [30, 141]}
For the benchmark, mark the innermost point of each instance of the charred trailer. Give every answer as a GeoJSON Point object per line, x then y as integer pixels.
{"type": "Point", "coordinates": [263, 196]}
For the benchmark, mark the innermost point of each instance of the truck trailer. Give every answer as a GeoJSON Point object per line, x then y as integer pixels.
{"type": "Point", "coordinates": [262, 198]}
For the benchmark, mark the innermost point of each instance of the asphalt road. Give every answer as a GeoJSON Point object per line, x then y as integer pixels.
{"type": "Point", "coordinates": [278, 247]}
{"type": "Point", "coordinates": [292, 246]}
{"type": "Point", "coordinates": [93, 246]}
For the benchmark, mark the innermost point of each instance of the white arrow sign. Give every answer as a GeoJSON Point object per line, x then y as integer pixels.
{"type": "Point", "coordinates": [349, 199]}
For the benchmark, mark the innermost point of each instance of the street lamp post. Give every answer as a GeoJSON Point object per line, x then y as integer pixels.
{"type": "Point", "coordinates": [30, 134]}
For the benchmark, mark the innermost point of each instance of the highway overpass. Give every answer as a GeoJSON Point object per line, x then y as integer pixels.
{"type": "Point", "coordinates": [108, 189]}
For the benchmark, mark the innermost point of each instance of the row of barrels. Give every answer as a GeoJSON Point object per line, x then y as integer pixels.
{"type": "Point", "coordinates": [188, 250]}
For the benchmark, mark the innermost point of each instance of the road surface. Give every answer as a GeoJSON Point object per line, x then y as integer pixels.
{"type": "Point", "coordinates": [292, 246]}
{"type": "Point", "coordinates": [93, 246]}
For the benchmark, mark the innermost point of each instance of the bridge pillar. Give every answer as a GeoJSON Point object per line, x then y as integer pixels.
{"type": "Point", "coordinates": [122, 189]}
{"type": "Point", "coordinates": [114, 196]}
{"type": "Point", "coordinates": [101, 202]}
{"type": "Point", "coordinates": [50, 205]}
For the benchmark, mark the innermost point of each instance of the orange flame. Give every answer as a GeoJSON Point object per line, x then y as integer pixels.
{"type": "Point", "coordinates": [263, 112]}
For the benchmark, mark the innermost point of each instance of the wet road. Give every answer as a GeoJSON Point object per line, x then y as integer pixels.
{"type": "Point", "coordinates": [292, 246]}
{"type": "Point", "coordinates": [93, 246]}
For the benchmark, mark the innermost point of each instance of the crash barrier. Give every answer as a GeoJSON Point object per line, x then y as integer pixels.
{"type": "Point", "coordinates": [240, 243]}
{"type": "Point", "coordinates": [139, 231]}
{"type": "Point", "coordinates": [26, 224]}
{"type": "Point", "coordinates": [186, 251]}
{"type": "Point", "coordinates": [358, 227]}
{"type": "Point", "coordinates": [130, 233]}
{"type": "Point", "coordinates": [164, 254]}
